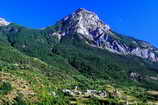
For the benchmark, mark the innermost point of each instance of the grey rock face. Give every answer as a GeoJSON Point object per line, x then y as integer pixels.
{"type": "Point", "coordinates": [84, 22]}
{"type": "Point", "coordinates": [89, 25]}
{"type": "Point", "coordinates": [135, 76]}
{"type": "Point", "coordinates": [144, 53]}
{"type": "Point", "coordinates": [3, 22]}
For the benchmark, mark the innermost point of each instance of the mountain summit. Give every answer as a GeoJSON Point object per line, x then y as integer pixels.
{"type": "Point", "coordinates": [3, 22]}
{"type": "Point", "coordinates": [84, 22]}
{"type": "Point", "coordinates": [98, 34]}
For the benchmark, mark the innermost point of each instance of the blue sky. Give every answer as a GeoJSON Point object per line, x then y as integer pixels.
{"type": "Point", "coordinates": [137, 18]}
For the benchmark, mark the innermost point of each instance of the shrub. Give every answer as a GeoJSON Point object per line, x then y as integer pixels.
{"type": "Point", "coordinates": [5, 87]}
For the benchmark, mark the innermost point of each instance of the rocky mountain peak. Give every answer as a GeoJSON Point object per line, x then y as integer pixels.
{"type": "Point", "coordinates": [84, 22]}
{"type": "Point", "coordinates": [90, 27]}
{"type": "Point", "coordinates": [3, 22]}
{"type": "Point", "coordinates": [81, 10]}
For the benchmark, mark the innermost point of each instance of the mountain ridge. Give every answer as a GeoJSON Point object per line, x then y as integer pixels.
{"type": "Point", "coordinates": [100, 35]}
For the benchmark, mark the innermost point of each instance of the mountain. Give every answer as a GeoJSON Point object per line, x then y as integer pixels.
{"type": "Point", "coordinates": [100, 35]}
{"type": "Point", "coordinates": [3, 22]}
{"type": "Point", "coordinates": [37, 66]}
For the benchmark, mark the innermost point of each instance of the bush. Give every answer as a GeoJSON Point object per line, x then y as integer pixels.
{"type": "Point", "coordinates": [5, 87]}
